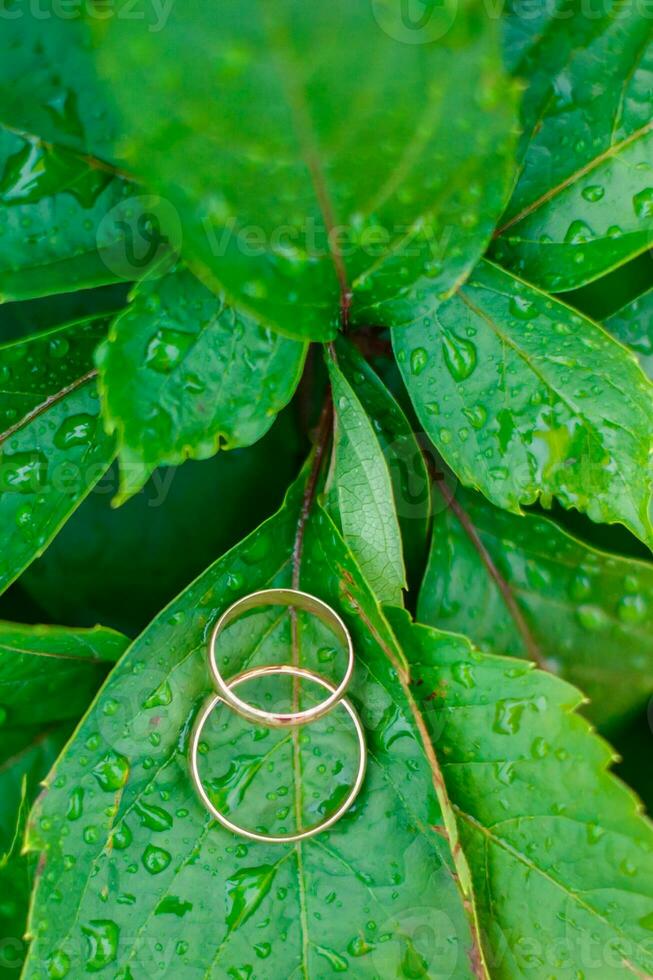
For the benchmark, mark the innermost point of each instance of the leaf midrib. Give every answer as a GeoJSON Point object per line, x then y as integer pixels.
{"type": "Point", "coordinates": [613, 150]}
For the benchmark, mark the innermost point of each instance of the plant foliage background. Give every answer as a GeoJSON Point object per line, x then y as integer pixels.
{"type": "Point", "coordinates": [378, 276]}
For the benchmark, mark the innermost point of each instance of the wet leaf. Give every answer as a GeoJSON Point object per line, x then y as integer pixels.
{"type": "Point", "coordinates": [582, 613]}
{"type": "Point", "coordinates": [48, 79]}
{"type": "Point", "coordinates": [52, 203]}
{"type": "Point", "coordinates": [315, 169]}
{"type": "Point", "coordinates": [401, 449]}
{"type": "Point", "coordinates": [183, 374]}
{"type": "Point", "coordinates": [20, 776]}
{"type": "Point", "coordinates": [364, 495]}
{"type": "Point", "coordinates": [633, 326]}
{"type": "Point", "coordinates": [53, 449]}
{"type": "Point", "coordinates": [584, 202]}
{"type": "Point", "coordinates": [559, 850]}
{"type": "Point", "coordinates": [369, 896]}
{"type": "Point", "coordinates": [50, 673]}
{"type": "Point", "coordinates": [527, 400]}
{"type": "Point", "coordinates": [524, 26]}
{"type": "Point", "coordinates": [134, 550]}
{"type": "Point", "coordinates": [48, 676]}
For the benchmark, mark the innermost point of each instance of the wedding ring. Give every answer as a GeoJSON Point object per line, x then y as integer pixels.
{"type": "Point", "coordinates": [297, 600]}
{"type": "Point", "coordinates": [215, 700]}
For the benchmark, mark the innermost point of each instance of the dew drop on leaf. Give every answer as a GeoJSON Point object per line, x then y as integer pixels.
{"type": "Point", "coordinates": [592, 618]}
{"type": "Point", "coordinates": [578, 233]}
{"type": "Point", "coordinates": [112, 772]}
{"type": "Point", "coordinates": [593, 193]}
{"type": "Point", "coordinates": [153, 817]}
{"type": "Point", "coordinates": [102, 937]}
{"type": "Point", "coordinates": [418, 360]}
{"type": "Point", "coordinates": [459, 356]}
{"type": "Point", "coordinates": [77, 430]}
{"type": "Point", "coordinates": [76, 804]}
{"type": "Point", "coordinates": [632, 609]}
{"type": "Point", "coordinates": [58, 965]}
{"type": "Point", "coordinates": [155, 859]}
{"type": "Point", "coordinates": [166, 349]}
{"type": "Point", "coordinates": [522, 308]}
{"type": "Point", "coordinates": [643, 203]}
{"type": "Point", "coordinates": [121, 837]}
{"type": "Point", "coordinates": [23, 472]}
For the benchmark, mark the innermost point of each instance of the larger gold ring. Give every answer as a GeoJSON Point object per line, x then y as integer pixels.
{"type": "Point", "coordinates": [280, 597]}
{"type": "Point", "coordinates": [196, 735]}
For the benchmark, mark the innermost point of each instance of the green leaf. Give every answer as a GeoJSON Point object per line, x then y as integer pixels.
{"type": "Point", "coordinates": [584, 202]}
{"type": "Point", "coordinates": [134, 550]}
{"type": "Point", "coordinates": [20, 776]}
{"type": "Point", "coordinates": [559, 851]}
{"type": "Point", "coordinates": [48, 676]}
{"type": "Point", "coordinates": [183, 374]}
{"type": "Point", "coordinates": [523, 586]}
{"type": "Point", "coordinates": [523, 29]}
{"type": "Point", "coordinates": [304, 168]}
{"type": "Point", "coordinates": [50, 673]}
{"type": "Point", "coordinates": [526, 399]}
{"type": "Point", "coordinates": [52, 203]}
{"type": "Point", "coordinates": [53, 449]}
{"type": "Point", "coordinates": [48, 79]}
{"type": "Point", "coordinates": [411, 483]}
{"type": "Point", "coordinates": [633, 326]}
{"type": "Point", "coordinates": [360, 898]}
{"type": "Point", "coordinates": [363, 490]}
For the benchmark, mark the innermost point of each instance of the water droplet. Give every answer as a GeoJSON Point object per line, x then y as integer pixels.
{"type": "Point", "coordinates": [522, 308]}
{"type": "Point", "coordinates": [155, 859]}
{"type": "Point", "coordinates": [112, 772]}
{"type": "Point", "coordinates": [508, 714]}
{"type": "Point", "coordinates": [539, 748]}
{"type": "Point", "coordinates": [78, 430]}
{"type": "Point", "coordinates": [58, 965]}
{"type": "Point", "coordinates": [477, 415]}
{"type": "Point", "coordinates": [37, 171]}
{"type": "Point", "coordinates": [593, 193]}
{"type": "Point", "coordinates": [166, 349]}
{"type": "Point", "coordinates": [592, 618]}
{"type": "Point", "coordinates": [459, 356]}
{"type": "Point", "coordinates": [75, 804]}
{"type": "Point", "coordinates": [24, 472]}
{"type": "Point", "coordinates": [464, 674]}
{"type": "Point", "coordinates": [337, 963]}
{"type": "Point", "coordinates": [580, 587]}
{"type": "Point", "coordinates": [628, 867]}
{"type": "Point", "coordinates": [122, 837]}
{"type": "Point", "coordinates": [418, 360]}
{"type": "Point", "coordinates": [171, 905]}
{"type": "Point", "coordinates": [246, 889]}
{"type": "Point", "coordinates": [154, 817]}
{"type": "Point", "coordinates": [102, 937]}
{"type": "Point", "coordinates": [162, 696]}
{"type": "Point", "coordinates": [643, 203]}
{"type": "Point", "coordinates": [632, 609]}
{"type": "Point", "coordinates": [358, 946]}
{"type": "Point", "coordinates": [578, 233]}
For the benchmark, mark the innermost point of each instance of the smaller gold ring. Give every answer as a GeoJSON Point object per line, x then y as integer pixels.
{"type": "Point", "coordinates": [299, 600]}
{"type": "Point", "coordinates": [196, 735]}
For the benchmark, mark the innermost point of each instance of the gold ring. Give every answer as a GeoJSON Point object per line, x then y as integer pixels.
{"type": "Point", "coordinates": [298, 600]}
{"type": "Point", "coordinates": [198, 728]}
